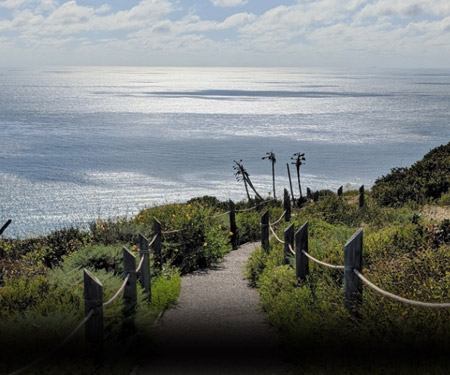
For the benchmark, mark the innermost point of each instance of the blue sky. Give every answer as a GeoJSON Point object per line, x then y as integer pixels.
{"type": "Point", "coordinates": [335, 33]}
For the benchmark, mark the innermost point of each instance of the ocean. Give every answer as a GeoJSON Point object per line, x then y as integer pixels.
{"type": "Point", "coordinates": [86, 142]}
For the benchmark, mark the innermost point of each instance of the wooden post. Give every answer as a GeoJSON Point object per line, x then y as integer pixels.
{"type": "Point", "coordinates": [301, 260]}
{"type": "Point", "coordinates": [352, 283]}
{"type": "Point", "coordinates": [233, 227]}
{"type": "Point", "coordinates": [287, 206]}
{"type": "Point", "coordinates": [316, 196]}
{"type": "Point", "coordinates": [93, 300]}
{"type": "Point", "coordinates": [309, 194]}
{"type": "Point", "coordinates": [157, 243]}
{"type": "Point", "coordinates": [6, 225]}
{"type": "Point", "coordinates": [130, 292]}
{"type": "Point", "coordinates": [288, 240]}
{"type": "Point", "coordinates": [144, 252]}
{"type": "Point", "coordinates": [290, 182]}
{"type": "Point", "coordinates": [265, 231]}
{"type": "Point", "coordinates": [339, 192]}
{"type": "Point", "coordinates": [129, 267]}
{"type": "Point", "coordinates": [361, 197]}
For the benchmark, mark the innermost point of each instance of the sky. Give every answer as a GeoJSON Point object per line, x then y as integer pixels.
{"type": "Point", "coordinates": [321, 33]}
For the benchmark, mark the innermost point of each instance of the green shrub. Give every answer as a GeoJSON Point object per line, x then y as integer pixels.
{"type": "Point", "coordinates": [424, 181]}
{"type": "Point", "coordinates": [193, 239]}
{"type": "Point", "coordinates": [445, 199]}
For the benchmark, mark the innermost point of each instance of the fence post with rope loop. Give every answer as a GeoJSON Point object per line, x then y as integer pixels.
{"type": "Point", "coordinates": [265, 232]}
{"type": "Point", "coordinates": [144, 253]}
{"type": "Point", "coordinates": [352, 283]}
{"type": "Point", "coordinates": [288, 241]}
{"type": "Point", "coordinates": [287, 206]}
{"type": "Point", "coordinates": [301, 260]}
{"type": "Point", "coordinates": [130, 291]}
{"type": "Point", "coordinates": [157, 243]}
{"type": "Point", "coordinates": [233, 226]}
{"type": "Point", "coordinates": [93, 300]}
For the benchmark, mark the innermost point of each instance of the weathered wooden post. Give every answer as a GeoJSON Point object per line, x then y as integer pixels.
{"type": "Point", "coordinates": [339, 192]}
{"type": "Point", "coordinates": [301, 260]}
{"type": "Point", "coordinates": [287, 206]}
{"type": "Point", "coordinates": [157, 243]}
{"type": "Point", "coordinates": [309, 194]}
{"type": "Point", "coordinates": [316, 196]}
{"type": "Point", "coordinates": [6, 225]}
{"type": "Point", "coordinates": [361, 197]}
{"type": "Point", "coordinates": [233, 227]}
{"type": "Point", "coordinates": [93, 300]}
{"type": "Point", "coordinates": [144, 252]}
{"type": "Point", "coordinates": [352, 283]}
{"type": "Point", "coordinates": [130, 291]}
{"type": "Point", "coordinates": [288, 240]}
{"type": "Point", "coordinates": [265, 231]}
{"type": "Point", "coordinates": [290, 182]}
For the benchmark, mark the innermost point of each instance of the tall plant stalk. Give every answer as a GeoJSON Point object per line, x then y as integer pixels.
{"type": "Point", "coordinates": [299, 159]}
{"type": "Point", "coordinates": [242, 174]}
{"type": "Point", "coordinates": [271, 157]}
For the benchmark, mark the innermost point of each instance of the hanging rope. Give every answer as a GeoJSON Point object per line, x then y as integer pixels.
{"type": "Point", "coordinates": [273, 232]}
{"type": "Point", "coordinates": [401, 299]}
{"type": "Point", "coordinates": [118, 291]}
{"type": "Point", "coordinates": [322, 263]}
{"type": "Point", "coordinates": [281, 217]}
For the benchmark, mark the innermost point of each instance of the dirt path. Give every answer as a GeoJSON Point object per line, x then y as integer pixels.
{"type": "Point", "coordinates": [216, 327]}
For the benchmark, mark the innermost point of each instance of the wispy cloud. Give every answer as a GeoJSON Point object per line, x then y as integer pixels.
{"type": "Point", "coordinates": [228, 3]}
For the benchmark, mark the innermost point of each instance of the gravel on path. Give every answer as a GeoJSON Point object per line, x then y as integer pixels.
{"type": "Point", "coordinates": [217, 327]}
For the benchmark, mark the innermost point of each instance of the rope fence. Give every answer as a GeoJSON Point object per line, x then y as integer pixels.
{"type": "Point", "coordinates": [353, 277]}
{"type": "Point", "coordinates": [401, 299]}
{"type": "Point", "coordinates": [275, 235]}
{"type": "Point", "coordinates": [174, 231]}
{"type": "Point", "coordinates": [93, 287]}
{"type": "Point", "coordinates": [322, 262]}
{"type": "Point", "coordinates": [281, 217]}
{"type": "Point", "coordinates": [122, 287]}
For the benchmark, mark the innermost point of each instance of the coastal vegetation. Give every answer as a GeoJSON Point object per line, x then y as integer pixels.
{"type": "Point", "coordinates": [41, 280]}
{"type": "Point", "coordinates": [405, 252]}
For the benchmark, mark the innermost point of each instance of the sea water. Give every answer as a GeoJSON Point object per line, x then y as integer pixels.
{"type": "Point", "coordinates": [87, 142]}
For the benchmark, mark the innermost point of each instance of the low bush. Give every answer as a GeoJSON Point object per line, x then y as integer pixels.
{"type": "Point", "coordinates": [424, 181]}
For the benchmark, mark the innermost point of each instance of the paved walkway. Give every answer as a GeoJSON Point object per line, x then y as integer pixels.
{"type": "Point", "coordinates": [216, 327]}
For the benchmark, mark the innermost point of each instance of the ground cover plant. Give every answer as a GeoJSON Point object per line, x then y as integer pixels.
{"type": "Point", "coordinates": [405, 253]}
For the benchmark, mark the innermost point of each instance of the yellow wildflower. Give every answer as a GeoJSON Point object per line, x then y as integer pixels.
{"type": "Point", "coordinates": [205, 244]}
{"type": "Point", "coordinates": [231, 233]}
{"type": "Point", "coordinates": [220, 226]}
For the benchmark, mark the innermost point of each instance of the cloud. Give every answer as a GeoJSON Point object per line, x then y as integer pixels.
{"type": "Point", "coordinates": [228, 3]}
{"type": "Point", "coordinates": [13, 4]}
{"type": "Point", "coordinates": [310, 32]}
